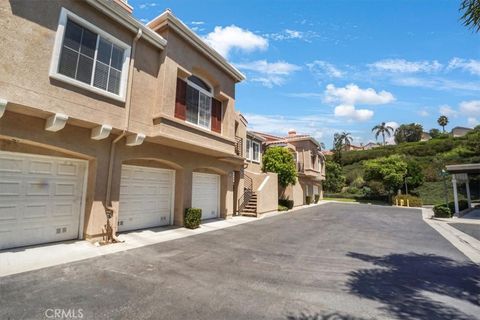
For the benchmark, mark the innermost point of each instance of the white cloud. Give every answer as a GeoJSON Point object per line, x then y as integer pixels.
{"type": "Point", "coordinates": [436, 84]}
{"type": "Point", "coordinates": [423, 113]}
{"type": "Point", "coordinates": [349, 111]}
{"type": "Point", "coordinates": [446, 110]}
{"type": "Point", "coordinates": [225, 39]}
{"type": "Point", "coordinates": [394, 125]}
{"type": "Point", "coordinates": [473, 122]}
{"type": "Point", "coordinates": [148, 5]}
{"type": "Point", "coordinates": [347, 97]}
{"type": "Point", "coordinates": [267, 73]}
{"type": "Point", "coordinates": [470, 108]}
{"type": "Point", "coordinates": [286, 34]}
{"type": "Point", "coordinates": [472, 66]}
{"type": "Point", "coordinates": [352, 94]}
{"type": "Point", "coordinates": [320, 127]}
{"type": "Point", "coordinates": [405, 66]}
{"type": "Point", "coordinates": [323, 70]}
{"type": "Point", "coordinates": [197, 22]}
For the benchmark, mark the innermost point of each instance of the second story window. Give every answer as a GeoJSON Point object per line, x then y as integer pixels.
{"type": "Point", "coordinates": [194, 103]}
{"type": "Point", "coordinates": [253, 150]}
{"type": "Point", "coordinates": [199, 102]}
{"type": "Point", "coordinates": [89, 57]}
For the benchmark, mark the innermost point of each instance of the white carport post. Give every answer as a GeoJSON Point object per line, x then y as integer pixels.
{"type": "Point", "coordinates": [469, 198]}
{"type": "Point", "coordinates": [455, 194]}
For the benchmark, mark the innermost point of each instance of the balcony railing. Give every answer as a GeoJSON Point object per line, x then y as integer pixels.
{"type": "Point", "coordinates": [239, 146]}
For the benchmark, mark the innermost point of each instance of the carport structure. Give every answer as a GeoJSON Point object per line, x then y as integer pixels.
{"type": "Point", "coordinates": [461, 173]}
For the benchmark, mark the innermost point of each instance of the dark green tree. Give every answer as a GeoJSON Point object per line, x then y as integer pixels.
{"type": "Point", "coordinates": [334, 178]}
{"type": "Point", "coordinates": [408, 133]}
{"type": "Point", "coordinates": [434, 133]}
{"type": "Point", "coordinates": [415, 177]}
{"type": "Point", "coordinates": [280, 161]}
{"type": "Point", "coordinates": [390, 171]}
{"type": "Point", "coordinates": [382, 129]}
{"type": "Point", "coordinates": [442, 122]}
{"type": "Point", "coordinates": [471, 14]}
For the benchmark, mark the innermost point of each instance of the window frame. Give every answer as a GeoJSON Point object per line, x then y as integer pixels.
{"type": "Point", "coordinates": [253, 152]}
{"type": "Point", "coordinates": [249, 149]}
{"type": "Point", "coordinates": [57, 49]}
{"type": "Point", "coordinates": [208, 94]}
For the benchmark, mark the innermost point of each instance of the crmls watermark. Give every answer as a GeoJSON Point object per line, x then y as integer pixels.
{"type": "Point", "coordinates": [57, 313]}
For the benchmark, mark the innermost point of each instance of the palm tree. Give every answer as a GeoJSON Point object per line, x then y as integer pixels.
{"type": "Point", "coordinates": [345, 139]}
{"type": "Point", "coordinates": [471, 14]}
{"type": "Point", "coordinates": [442, 122]}
{"type": "Point", "coordinates": [382, 129]}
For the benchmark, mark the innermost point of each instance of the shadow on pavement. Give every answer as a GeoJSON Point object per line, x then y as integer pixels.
{"type": "Point", "coordinates": [323, 316]}
{"type": "Point", "coordinates": [419, 286]}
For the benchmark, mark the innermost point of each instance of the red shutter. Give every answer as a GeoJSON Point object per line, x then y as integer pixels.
{"type": "Point", "coordinates": [181, 99]}
{"type": "Point", "coordinates": [216, 115]}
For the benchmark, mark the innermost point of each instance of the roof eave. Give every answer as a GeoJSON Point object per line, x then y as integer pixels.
{"type": "Point", "coordinates": [168, 19]}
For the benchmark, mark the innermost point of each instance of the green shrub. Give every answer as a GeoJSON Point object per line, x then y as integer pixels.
{"type": "Point", "coordinates": [442, 211]}
{"type": "Point", "coordinates": [282, 208]}
{"type": "Point", "coordinates": [193, 216]}
{"type": "Point", "coordinates": [353, 190]}
{"type": "Point", "coordinates": [308, 199]}
{"type": "Point", "coordinates": [413, 201]}
{"type": "Point", "coordinates": [358, 182]}
{"type": "Point", "coordinates": [286, 203]}
{"type": "Point", "coordinates": [462, 205]}
{"type": "Point", "coordinates": [317, 198]}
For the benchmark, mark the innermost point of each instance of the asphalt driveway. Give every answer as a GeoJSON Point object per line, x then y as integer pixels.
{"type": "Point", "coordinates": [335, 261]}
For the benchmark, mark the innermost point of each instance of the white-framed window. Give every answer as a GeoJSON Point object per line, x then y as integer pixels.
{"type": "Point", "coordinates": [255, 151]}
{"type": "Point", "coordinates": [249, 149]}
{"type": "Point", "coordinates": [88, 57]}
{"type": "Point", "coordinates": [199, 102]}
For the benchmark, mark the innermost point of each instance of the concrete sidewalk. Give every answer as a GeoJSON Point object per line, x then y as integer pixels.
{"type": "Point", "coordinates": [24, 259]}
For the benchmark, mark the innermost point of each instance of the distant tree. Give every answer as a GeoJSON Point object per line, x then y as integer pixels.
{"type": "Point", "coordinates": [280, 161]}
{"type": "Point", "coordinates": [408, 133]}
{"type": "Point", "coordinates": [442, 122]}
{"type": "Point", "coordinates": [471, 14]}
{"type": "Point", "coordinates": [415, 177]}
{"type": "Point", "coordinates": [382, 129]}
{"type": "Point", "coordinates": [334, 178]}
{"type": "Point", "coordinates": [434, 133]}
{"type": "Point", "coordinates": [390, 171]}
{"type": "Point", "coordinates": [340, 142]}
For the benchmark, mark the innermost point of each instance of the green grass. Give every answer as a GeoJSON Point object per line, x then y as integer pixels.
{"type": "Point", "coordinates": [352, 200]}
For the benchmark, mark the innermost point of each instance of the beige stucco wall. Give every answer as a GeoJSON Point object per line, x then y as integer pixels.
{"type": "Point", "coordinates": [25, 81]}
{"type": "Point", "coordinates": [75, 142]}
{"type": "Point", "coordinates": [267, 195]}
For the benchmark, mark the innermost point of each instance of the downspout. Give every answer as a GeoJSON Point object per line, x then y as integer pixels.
{"type": "Point", "coordinates": [108, 201]}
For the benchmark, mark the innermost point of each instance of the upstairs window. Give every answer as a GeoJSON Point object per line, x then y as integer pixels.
{"type": "Point", "coordinates": [253, 150]}
{"type": "Point", "coordinates": [199, 102]}
{"type": "Point", "coordinates": [89, 57]}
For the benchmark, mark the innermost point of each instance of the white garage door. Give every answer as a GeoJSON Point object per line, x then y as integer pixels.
{"type": "Point", "coordinates": [146, 197]}
{"type": "Point", "coordinates": [206, 194]}
{"type": "Point", "coordinates": [40, 199]}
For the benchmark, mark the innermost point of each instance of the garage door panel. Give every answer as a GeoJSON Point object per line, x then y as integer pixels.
{"type": "Point", "coordinates": [145, 197]}
{"type": "Point", "coordinates": [67, 169]}
{"type": "Point", "coordinates": [205, 194]}
{"type": "Point", "coordinates": [36, 202]}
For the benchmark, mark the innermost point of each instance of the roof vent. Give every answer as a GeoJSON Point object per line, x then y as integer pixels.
{"type": "Point", "coordinates": [292, 133]}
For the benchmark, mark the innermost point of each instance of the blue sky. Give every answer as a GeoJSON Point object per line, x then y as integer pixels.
{"type": "Point", "coordinates": [322, 67]}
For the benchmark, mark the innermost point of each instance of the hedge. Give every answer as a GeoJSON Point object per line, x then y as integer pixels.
{"type": "Point", "coordinates": [317, 198]}
{"type": "Point", "coordinates": [442, 211]}
{"type": "Point", "coordinates": [412, 200]}
{"type": "Point", "coordinates": [308, 199]}
{"type": "Point", "coordinates": [462, 205]}
{"type": "Point", "coordinates": [286, 203]}
{"type": "Point", "coordinates": [193, 216]}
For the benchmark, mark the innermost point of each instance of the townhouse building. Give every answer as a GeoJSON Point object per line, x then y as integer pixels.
{"type": "Point", "coordinates": [109, 125]}
{"type": "Point", "coordinates": [309, 160]}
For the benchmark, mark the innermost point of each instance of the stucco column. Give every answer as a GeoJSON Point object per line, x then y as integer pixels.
{"type": "Point", "coordinates": [455, 194]}
{"type": "Point", "coordinates": [469, 198]}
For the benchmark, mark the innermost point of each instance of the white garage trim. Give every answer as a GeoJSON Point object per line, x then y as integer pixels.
{"type": "Point", "coordinates": [85, 166]}
{"type": "Point", "coordinates": [124, 182]}
{"type": "Point", "coordinates": [217, 179]}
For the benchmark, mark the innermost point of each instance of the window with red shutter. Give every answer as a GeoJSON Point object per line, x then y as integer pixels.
{"type": "Point", "coordinates": [180, 99]}
{"type": "Point", "coordinates": [216, 116]}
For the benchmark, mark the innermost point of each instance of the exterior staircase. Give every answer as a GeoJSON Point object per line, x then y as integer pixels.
{"type": "Point", "coordinates": [250, 208]}
{"type": "Point", "coordinates": [247, 205]}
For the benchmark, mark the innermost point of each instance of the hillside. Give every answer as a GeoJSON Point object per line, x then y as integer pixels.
{"type": "Point", "coordinates": [432, 156]}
